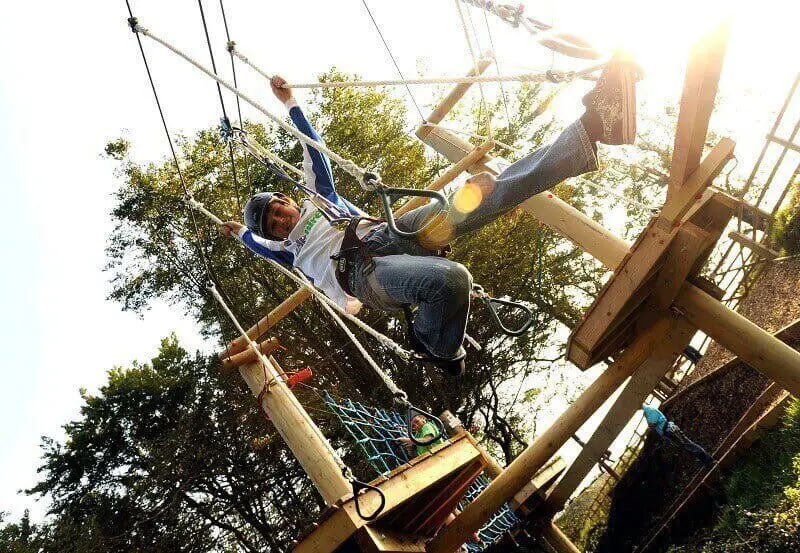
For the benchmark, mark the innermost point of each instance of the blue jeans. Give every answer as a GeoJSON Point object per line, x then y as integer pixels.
{"type": "Point", "coordinates": [408, 273]}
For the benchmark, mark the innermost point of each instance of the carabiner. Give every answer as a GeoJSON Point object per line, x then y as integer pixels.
{"type": "Point", "coordinates": [372, 182]}
{"type": "Point", "coordinates": [490, 303]}
{"type": "Point", "coordinates": [358, 487]}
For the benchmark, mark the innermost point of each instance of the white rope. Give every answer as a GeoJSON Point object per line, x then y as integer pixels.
{"type": "Point", "coordinates": [250, 343]}
{"type": "Point", "coordinates": [535, 77]}
{"type": "Point", "coordinates": [620, 197]}
{"type": "Point", "coordinates": [348, 165]}
{"type": "Point", "coordinates": [475, 65]}
{"type": "Point", "coordinates": [399, 394]}
{"type": "Point", "coordinates": [261, 150]}
{"type": "Point", "coordinates": [380, 337]}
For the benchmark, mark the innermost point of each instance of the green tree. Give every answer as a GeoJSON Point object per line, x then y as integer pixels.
{"type": "Point", "coordinates": [165, 458]}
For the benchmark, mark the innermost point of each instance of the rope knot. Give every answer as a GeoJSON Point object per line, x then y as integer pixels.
{"type": "Point", "coordinates": [133, 23]}
{"type": "Point", "coordinates": [371, 181]}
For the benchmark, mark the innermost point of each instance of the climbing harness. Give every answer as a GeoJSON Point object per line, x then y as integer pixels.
{"type": "Point", "coordinates": [492, 304]}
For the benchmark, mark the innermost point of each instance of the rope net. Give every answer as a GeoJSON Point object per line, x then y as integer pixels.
{"type": "Point", "coordinates": [376, 431]}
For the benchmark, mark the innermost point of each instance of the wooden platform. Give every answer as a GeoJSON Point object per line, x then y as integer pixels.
{"type": "Point", "coordinates": [419, 497]}
{"type": "Point", "coordinates": [666, 254]}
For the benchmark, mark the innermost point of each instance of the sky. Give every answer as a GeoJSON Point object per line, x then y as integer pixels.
{"type": "Point", "coordinates": [71, 79]}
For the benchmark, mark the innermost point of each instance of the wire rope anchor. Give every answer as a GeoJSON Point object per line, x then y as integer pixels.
{"type": "Point", "coordinates": [372, 182]}
{"type": "Point", "coordinates": [491, 303]}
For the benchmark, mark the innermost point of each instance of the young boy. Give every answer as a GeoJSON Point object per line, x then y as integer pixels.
{"type": "Point", "coordinates": [400, 271]}
{"type": "Point", "coordinates": [668, 430]}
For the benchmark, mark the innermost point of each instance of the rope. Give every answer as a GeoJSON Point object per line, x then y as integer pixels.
{"type": "Point", "coordinates": [347, 165]}
{"type": "Point", "coordinates": [475, 66]}
{"type": "Point", "coordinates": [399, 395]}
{"type": "Point", "coordinates": [557, 76]}
{"type": "Point", "coordinates": [394, 61]}
{"type": "Point", "coordinates": [222, 103]}
{"type": "Point", "coordinates": [630, 201]}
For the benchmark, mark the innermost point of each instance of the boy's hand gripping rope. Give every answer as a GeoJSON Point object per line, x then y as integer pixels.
{"type": "Point", "coordinates": [368, 181]}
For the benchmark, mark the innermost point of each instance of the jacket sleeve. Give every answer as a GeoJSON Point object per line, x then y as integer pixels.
{"type": "Point", "coordinates": [271, 249]}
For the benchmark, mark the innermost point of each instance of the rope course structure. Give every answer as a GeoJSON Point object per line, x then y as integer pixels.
{"type": "Point", "coordinates": [644, 316]}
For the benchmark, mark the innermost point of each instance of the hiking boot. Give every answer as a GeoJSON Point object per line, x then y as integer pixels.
{"type": "Point", "coordinates": [612, 102]}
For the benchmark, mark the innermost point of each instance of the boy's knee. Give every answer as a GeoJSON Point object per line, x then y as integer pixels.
{"type": "Point", "coordinates": [458, 280]}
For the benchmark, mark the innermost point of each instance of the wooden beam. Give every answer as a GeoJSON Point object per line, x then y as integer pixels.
{"type": "Point", "coordinates": [756, 247]}
{"type": "Point", "coordinates": [401, 485]}
{"type": "Point", "coordinates": [700, 179]}
{"type": "Point", "coordinates": [687, 246]}
{"type": "Point", "coordinates": [625, 406]}
{"type": "Point", "coordinates": [298, 430]}
{"type": "Point", "coordinates": [751, 343]}
{"type": "Point", "coordinates": [257, 330]}
{"type": "Point", "coordinates": [522, 469]}
{"type": "Point", "coordinates": [373, 540]}
{"type": "Point", "coordinates": [448, 176]}
{"type": "Point", "coordinates": [553, 535]}
{"type": "Point", "coordinates": [248, 356]}
{"type": "Point", "coordinates": [697, 103]}
{"type": "Point", "coordinates": [538, 484]}
{"type": "Point", "coordinates": [452, 98]}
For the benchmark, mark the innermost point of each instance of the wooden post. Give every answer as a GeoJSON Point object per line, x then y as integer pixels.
{"type": "Point", "coordinates": [697, 102]}
{"type": "Point", "coordinates": [248, 356]}
{"type": "Point", "coordinates": [748, 341]}
{"type": "Point", "coordinates": [521, 470]}
{"type": "Point", "coordinates": [298, 430]}
{"type": "Point", "coordinates": [553, 535]}
{"type": "Point", "coordinates": [257, 330]}
{"type": "Point", "coordinates": [625, 406]}
{"type": "Point", "coordinates": [452, 99]}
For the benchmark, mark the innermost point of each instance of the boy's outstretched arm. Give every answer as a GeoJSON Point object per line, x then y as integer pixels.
{"type": "Point", "coordinates": [316, 166]}
{"type": "Point", "coordinates": [271, 249]}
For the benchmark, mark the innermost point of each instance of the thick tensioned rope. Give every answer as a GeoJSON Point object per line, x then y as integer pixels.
{"type": "Point", "coordinates": [384, 340]}
{"type": "Point", "coordinates": [531, 77]}
{"type": "Point", "coordinates": [347, 165]}
{"type": "Point", "coordinates": [399, 395]}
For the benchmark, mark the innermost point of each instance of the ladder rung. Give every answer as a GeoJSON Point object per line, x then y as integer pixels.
{"type": "Point", "coordinates": [784, 143]}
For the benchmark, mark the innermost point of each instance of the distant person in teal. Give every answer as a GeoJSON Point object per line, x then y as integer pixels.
{"type": "Point", "coordinates": [671, 432]}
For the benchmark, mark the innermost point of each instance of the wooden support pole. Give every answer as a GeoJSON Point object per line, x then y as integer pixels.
{"type": "Point", "coordinates": [521, 470]}
{"type": "Point", "coordinates": [298, 431]}
{"type": "Point", "coordinates": [248, 356]}
{"type": "Point", "coordinates": [448, 176]}
{"type": "Point", "coordinates": [680, 202]}
{"type": "Point", "coordinates": [257, 330]}
{"type": "Point", "coordinates": [452, 99]}
{"type": "Point", "coordinates": [748, 341]}
{"type": "Point", "coordinates": [625, 406]}
{"type": "Point", "coordinates": [553, 535]}
{"type": "Point", "coordinates": [757, 247]}
{"type": "Point", "coordinates": [697, 103]}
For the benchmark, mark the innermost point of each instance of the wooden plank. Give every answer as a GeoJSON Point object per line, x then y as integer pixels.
{"type": "Point", "coordinates": [402, 486]}
{"type": "Point", "coordinates": [522, 469]}
{"type": "Point", "coordinates": [539, 483]}
{"type": "Point", "coordinates": [687, 246]}
{"type": "Point", "coordinates": [452, 98]}
{"type": "Point", "coordinates": [553, 535]}
{"type": "Point", "coordinates": [257, 330]}
{"type": "Point", "coordinates": [756, 247]}
{"type": "Point", "coordinates": [373, 540]}
{"type": "Point", "coordinates": [697, 103]}
{"type": "Point", "coordinates": [625, 406]}
{"type": "Point", "coordinates": [601, 318]}
{"type": "Point", "coordinates": [701, 178]}
{"type": "Point", "coordinates": [448, 176]}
